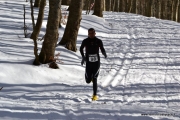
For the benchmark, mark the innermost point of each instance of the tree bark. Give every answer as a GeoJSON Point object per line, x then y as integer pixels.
{"type": "Point", "coordinates": [66, 2]}
{"type": "Point", "coordinates": [149, 8]}
{"type": "Point", "coordinates": [71, 31]}
{"type": "Point", "coordinates": [177, 11]}
{"type": "Point", "coordinates": [36, 30]}
{"type": "Point", "coordinates": [52, 34]}
{"type": "Point", "coordinates": [133, 6]}
{"type": "Point", "coordinates": [60, 14]}
{"type": "Point", "coordinates": [38, 25]}
{"type": "Point", "coordinates": [98, 9]}
{"type": "Point", "coordinates": [32, 14]}
{"type": "Point", "coordinates": [37, 3]}
{"type": "Point", "coordinates": [160, 8]}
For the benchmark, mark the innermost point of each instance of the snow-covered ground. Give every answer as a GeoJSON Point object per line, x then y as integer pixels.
{"type": "Point", "coordinates": [140, 79]}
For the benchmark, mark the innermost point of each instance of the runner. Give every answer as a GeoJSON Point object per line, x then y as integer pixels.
{"type": "Point", "coordinates": [92, 59]}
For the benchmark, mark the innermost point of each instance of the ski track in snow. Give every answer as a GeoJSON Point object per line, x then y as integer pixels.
{"type": "Point", "coordinates": [145, 55]}
{"type": "Point", "coordinates": [140, 75]}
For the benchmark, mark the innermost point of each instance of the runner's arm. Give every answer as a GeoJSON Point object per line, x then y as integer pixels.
{"type": "Point", "coordinates": [102, 47]}
{"type": "Point", "coordinates": [81, 48]}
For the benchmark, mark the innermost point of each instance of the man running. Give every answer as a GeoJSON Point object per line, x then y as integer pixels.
{"type": "Point", "coordinates": [92, 59]}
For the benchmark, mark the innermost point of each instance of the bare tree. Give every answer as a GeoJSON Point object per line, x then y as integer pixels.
{"type": "Point", "coordinates": [178, 11]}
{"type": "Point", "coordinates": [98, 9]}
{"type": "Point", "coordinates": [66, 2]}
{"type": "Point", "coordinates": [60, 14]}
{"type": "Point", "coordinates": [36, 30]}
{"type": "Point", "coordinates": [37, 3]}
{"type": "Point", "coordinates": [51, 37]}
{"type": "Point", "coordinates": [71, 31]}
{"type": "Point", "coordinates": [38, 25]}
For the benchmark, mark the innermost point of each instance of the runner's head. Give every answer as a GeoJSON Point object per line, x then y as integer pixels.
{"type": "Point", "coordinates": [91, 33]}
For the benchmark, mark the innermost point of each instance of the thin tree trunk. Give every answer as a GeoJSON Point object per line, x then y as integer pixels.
{"type": "Point", "coordinates": [149, 8]}
{"type": "Point", "coordinates": [131, 6]}
{"type": "Point", "coordinates": [37, 29]}
{"type": "Point", "coordinates": [71, 31]}
{"type": "Point", "coordinates": [156, 8]}
{"type": "Point", "coordinates": [60, 14]}
{"type": "Point", "coordinates": [169, 9]}
{"type": "Point", "coordinates": [114, 4]}
{"type": "Point", "coordinates": [37, 3]}
{"type": "Point", "coordinates": [86, 6]}
{"type": "Point", "coordinates": [32, 14]}
{"type": "Point", "coordinates": [104, 5]}
{"type": "Point", "coordinates": [52, 34]}
{"type": "Point", "coordinates": [137, 6]}
{"type": "Point", "coordinates": [107, 5]}
{"type": "Point", "coordinates": [160, 8]}
{"type": "Point", "coordinates": [165, 12]}
{"type": "Point", "coordinates": [178, 11]}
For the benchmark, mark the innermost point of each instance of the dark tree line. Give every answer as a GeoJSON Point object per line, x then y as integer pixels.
{"type": "Point", "coordinates": [162, 9]}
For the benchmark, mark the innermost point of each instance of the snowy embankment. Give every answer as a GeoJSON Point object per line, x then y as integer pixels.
{"type": "Point", "coordinates": [140, 75]}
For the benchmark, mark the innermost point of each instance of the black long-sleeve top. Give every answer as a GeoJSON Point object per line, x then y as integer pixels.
{"type": "Point", "coordinates": [91, 47]}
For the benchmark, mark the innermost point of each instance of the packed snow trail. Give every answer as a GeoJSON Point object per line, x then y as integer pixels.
{"type": "Point", "coordinates": [148, 73]}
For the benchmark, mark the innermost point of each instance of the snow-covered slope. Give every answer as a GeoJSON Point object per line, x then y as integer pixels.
{"type": "Point", "coordinates": [138, 81]}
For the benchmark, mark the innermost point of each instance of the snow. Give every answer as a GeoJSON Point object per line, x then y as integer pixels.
{"type": "Point", "coordinates": [140, 76]}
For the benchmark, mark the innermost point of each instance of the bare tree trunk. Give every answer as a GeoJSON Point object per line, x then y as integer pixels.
{"type": "Point", "coordinates": [37, 29]}
{"type": "Point", "coordinates": [156, 8]}
{"type": "Point", "coordinates": [52, 34]}
{"type": "Point", "coordinates": [87, 5]}
{"type": "Point", "coordinates": [107, 4]}
{"type": "Point", "coordinates": [37, 3]}
{"type": "Point", "coordinates": [32, 14]}
{"type": "Point", "coordinates": [60, 14]}
{"type": "Point", "coordinates": [131, 6]}
{"type": "Point", "coordinates": [115, 5]}
{"type": "Point", "coordinates": [144, 7]}
{"type": "Point", "coordinates": [104, 5]}
{"type": "Point", "coordinates": [71, 31]}
{"type": "Point", "coordinates": [126, 6]}
{"type": "Point", "coordinates": [98, 9]}
{"type": "Point", "coordinates": [165, 12]}
{"type": "Point", "coordinates": [160, 8]}
{"type": "Point", "coordinates": [66, 2]}
{"type": "Point", "coordinates": [137, 6]}
{"type": "Point", "coordinates": [149, 6]}
{"type": "Point", "coordinates": [121, 6]}
{"type": "Point", "coordinates": [171, 9]}
{"type": "Point", "coordinates": [177, 11]}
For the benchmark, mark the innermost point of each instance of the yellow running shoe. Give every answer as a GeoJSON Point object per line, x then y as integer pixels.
{"type": "Point", "coordinates": [94, 97]}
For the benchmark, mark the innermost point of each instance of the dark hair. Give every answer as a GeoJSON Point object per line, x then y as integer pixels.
{"type": "Point", "coordinates": [91, 29]}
